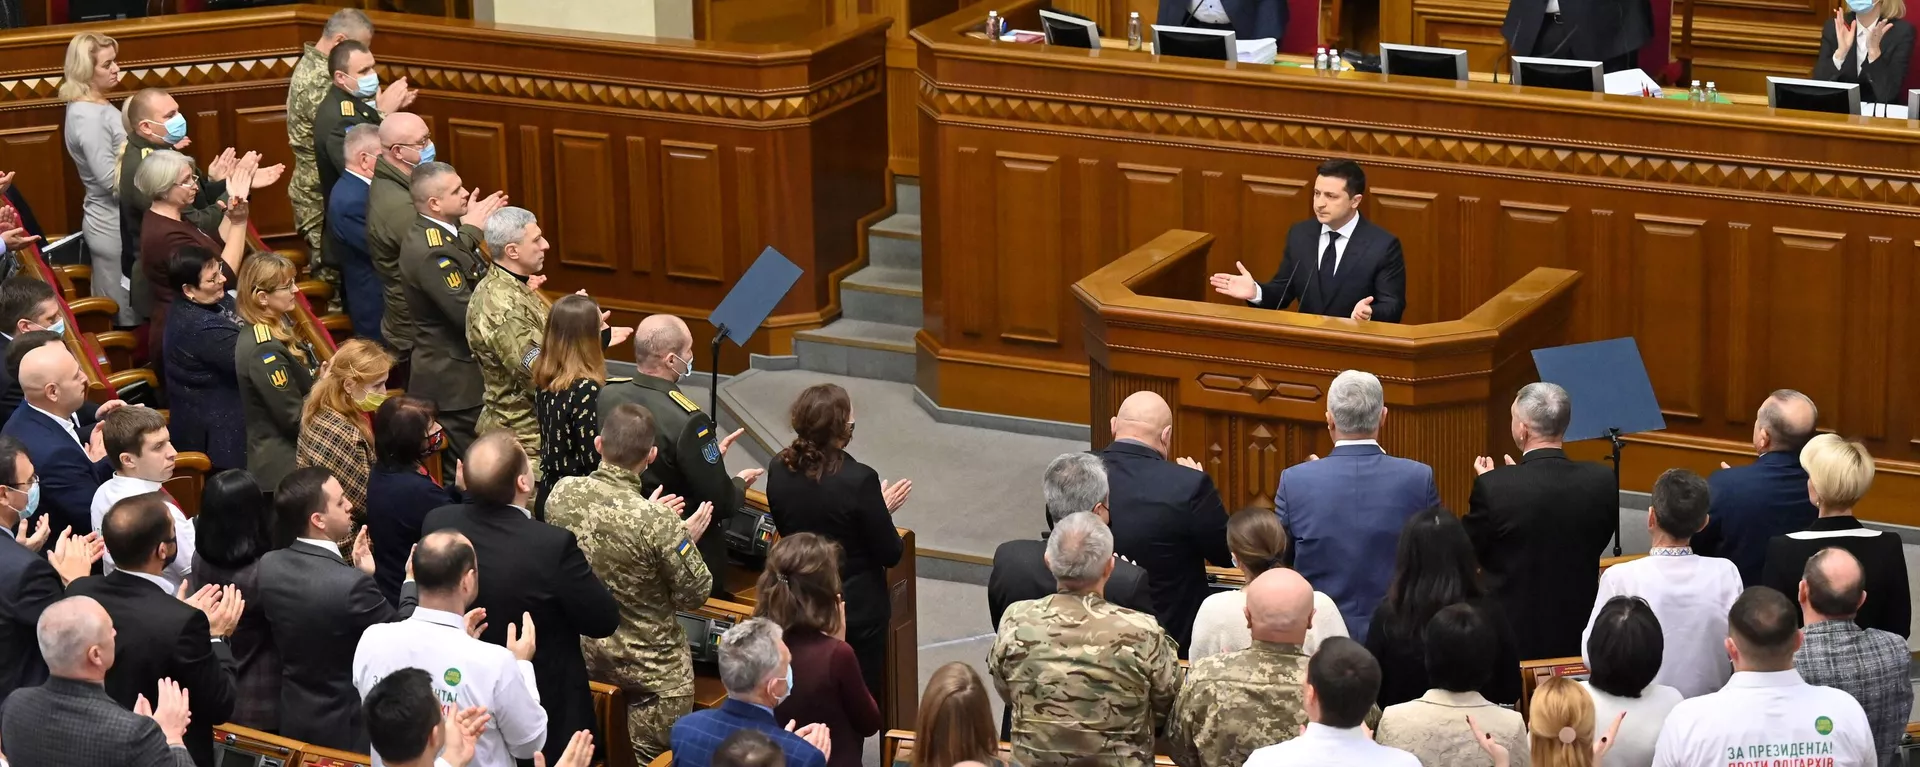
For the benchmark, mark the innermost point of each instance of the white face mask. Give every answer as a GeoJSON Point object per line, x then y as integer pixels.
{"type": "Point", "coordinates": [686, 370]}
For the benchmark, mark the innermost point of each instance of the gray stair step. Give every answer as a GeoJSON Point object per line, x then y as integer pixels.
{"type": "Point", "coordinates": [906, 195]}
{"type": "Point", "coordinates": [894, 243]}
{"type": "Point", "coordinates": [905, 226]}
{"type": "Point", "coordinates": [882, 294]}
{"type": "Point", "coordinates": [858, 348]}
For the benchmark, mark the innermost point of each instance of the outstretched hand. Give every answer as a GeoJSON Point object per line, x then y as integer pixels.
{"type": "Point", "coordinates": [1242, 285]}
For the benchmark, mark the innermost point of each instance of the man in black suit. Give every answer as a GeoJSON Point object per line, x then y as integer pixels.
{"type": "Point", "coordinates": [1165, 516]}
{"type": "Point", "coordinates": [29, 583]}
{"type": "Point", "coordinates": [71, 721]}
{"type": "Point", "coordinates": [1075, 482]}
{"type": "Point", "coordinates": [1249, 19]}
{"type": "Point", "coordinates": [1539, 526]}
{"type": "Point", "coordinates": [529, 566]}
{"type": "Point", "coordinates": [1607, 31]}
{"type": "Point", "coordinates": [1754, 502]}
{"type": "Point", "coordinates": [1337, 265]}
{"type": "Point", "coordinates": [26, 305]}
{"type": "Point", "coordinates": [317, 606]}
{"type": "Point", "coordinates": [161, 636]}
{"type": "Point", "coordinates": [66, 449]}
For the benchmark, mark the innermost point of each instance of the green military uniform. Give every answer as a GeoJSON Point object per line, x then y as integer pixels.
{"type": "Point", "coordinates": [338, 113]}
{"type": "Point", "coordinates": [390, 215]}
{"type": "Point", "coordinates": [640, 549]}
{"type": "Point", "coordinates": [1236, 702]}
{"type": "Point", "coordinates": [305, 89]}
{"type": "Point", "coordinates": [1085, 678]}
{"type": "Point", "coordinates": [205, 213]}
{"type": "Point", "coordinates": [273, 386]}
{"type": "Point", "coordinates": [439, 269]}
{"type": "Point", "coordinates": [505, 323]}
{"type": "Point", "coordinates": [689, 464]}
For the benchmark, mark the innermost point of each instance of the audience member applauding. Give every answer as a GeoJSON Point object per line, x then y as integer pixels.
{"type": "Point", "coordinates": [408, 144]}
{"type": "Point", "coordinates": [168, 185]}
{"type": "Point", "coordinates": [800, 590]}
{"type": "Point", "coordinates": [65, 448]}
{"type": "Point", "coordinates": [1755, 502]}
{"type": "Point", "coordinates": [1766, 709]}
{"type": "Point", "coordinates": [95, 136]}
{"type": "Point", "coordinates": [1235, 702]}
{"type": "Point", "coordinates": [955, 724]}
{"type": "Point", "coordinates": [275, 365]}
{"type": "Point", "coordinates": [1346, 510]}
{"type": "Point", "coordinates": [1460, 653]}
{"type": "Point", "coordinates": [1690, 594]}
{"type": "Point", "coordinates": [203, 385]}
{"type": "Point", "coordinates": [567, 377]}
{"type": "Point", "coordinates": [232, 531]}
{"type": "Point", "coordinates": [756, 668]}
{"type": "Point", "coordinates": [72, 722]}
{"type": "Point", "coordinates": [1259, 544]}
{"type": "Point", "coordinates": [443, 634]}
{"type": "Point", "coordinates": [1342, 682]}
{"type": "Point", "coordinates": [30, 583]}
{"type": "Point", "coordinates": [1540, 526]}
{"type": "Point", "coordinates": [1624, 652]}
{"type": "Point", "coordinates": [1435, 568]}
{"type": "Point", "coordinates": [318, 606]}
{"type": "Point", "coordinates": [1084, 677]}
{"type": "Point", "coordinates": [336, 423]}
{"type": "Point", "coordinates": [1073, 483]}
{"type": "Point", "coordinates": [816, 486]}
{"type": "Point", "coordinates": [407, 728]}
{"type": "Point", "coordinates": [748, 748]}
{"type": "Point", "coordinates": [1560, 724]}
{"type": "Point", "coordinates": [440, 260]}
{"type": "Point", "coordinates": [17, 351]}
{"type": "Point", "coordinates": [531, 567]}
{"type": "Point", "coordinates": [346, 233]}
{"type": "Point", "coordinates": [1869, 664]}
{"type": "Point", "coordinates": [306, 87]}
{"type": "Point", "coordinates": [1165, 515]}
{"type": "Point", "coordinates": [399, 491]}
{"type": "Point", "coordinates": [141, 451]}
{"type": "Point", "coordinates": [27, 306]}
{"type": "Point", "coordinates": [161, 636]}
{"type": "Point", "coordinates": [1839, 472]}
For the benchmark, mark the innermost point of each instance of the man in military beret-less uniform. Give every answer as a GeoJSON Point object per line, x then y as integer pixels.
{"type": "Point", "coordinates": [349, 102]}
{"type": "Point", "coordinates": [1235, 702]}
{"type": "Point", "coordinates": [440, 261]}
{"type": "Point", "coordinates": [691, 461]}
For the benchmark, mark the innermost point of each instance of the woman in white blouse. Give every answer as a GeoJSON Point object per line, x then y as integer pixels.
{"type": "Point", "coordinates": [96, 135]}
{"type": "Point", "coordinates": [1623, 655]}
{"type": "Point", "coordinates": [1258, 543]}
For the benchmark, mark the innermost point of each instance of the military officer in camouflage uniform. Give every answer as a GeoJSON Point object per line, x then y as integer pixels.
{"type": "Point", "coordinates": [305, 90]}
{"type": "Point", "coordinates": [440, 261]}
{"type": "Point", "coordinates": [275, 386]}
{"type": "Point", "coordinates": [506, 322]}
{"type": "Point", "coordinates": [691, 448]}
{"type": "Point", "coordinates": [404, 144]}
{"type": "Point", "coordinates": [646, 555]}
{"type": "Point", "coordinates": [1085, 678]}
{"type": "Point", "coordinates": [1233, 703]}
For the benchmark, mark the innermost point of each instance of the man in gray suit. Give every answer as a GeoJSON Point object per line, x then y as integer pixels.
{"type": "Point", "coordinates": [71, 721]}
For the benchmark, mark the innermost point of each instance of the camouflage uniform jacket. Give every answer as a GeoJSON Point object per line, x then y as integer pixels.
{"type": "Point", "coordinates": [640, 549]}
{"type": "Point", "coordinates": [506, 320]}
{"type": "Point", "coordinates": [1236, 702]}
{"type": "Point", "coordinates": [305, 90]}
{"type": "Point", "coordinates": [1085, 678]}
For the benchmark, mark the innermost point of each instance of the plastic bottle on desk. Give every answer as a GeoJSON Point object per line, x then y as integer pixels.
{"type": "Point", "coordinates": [1320, 62]}
{"type": "Point", "coordinates": [1334, 64]}
{"type": "Point", "coordinates": [1713, 93]}
{"type": "Point", "coordinates": [993, 29]}
{"type": "Point", "coordinates": [1695, 94]}
{"type": "Point", "coordinates": [1133, 31]}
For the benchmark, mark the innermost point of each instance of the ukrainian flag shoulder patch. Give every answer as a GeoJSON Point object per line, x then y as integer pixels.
{"type": "Point", "coordinates": [683, 547]}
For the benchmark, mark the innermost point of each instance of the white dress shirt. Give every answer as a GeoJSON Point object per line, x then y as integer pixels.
{"type": "Point", "coordinates": [1221, 624]}
{"type": "Point", "coordinates": [466, 673]}
{"type": "Point", "coordinates": [122, 486]}
{"type": "Point", "coordinates": [364, 179]}
{"type": "Point", "coordinates": [157, 581]}
{"type": "Point", "coordinates": [451, 228]}
{"type": "Point", "coordinates": [1771, 717]}
{"type": "Point", "coordinates": [72, 427]}
{"type": "Point", "coordinates": [1339, 248]}
{"type": "Point", "coordinates": [1862, 40]}
{"type": "Point", "coordinates": [1209, 11]}
{"type": "Point", "coordinates": [1323, 746]}
{"type": "Point", "coordinates": [1646, 716]}
{"type": "Point", "coordinates": [1691, 596]}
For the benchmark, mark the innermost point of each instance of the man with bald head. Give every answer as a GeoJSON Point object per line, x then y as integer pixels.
{"type": "Point", "coordinates": [692, 453]}
{"type": "Point", "coordinates": [1869, 664]}
{"type": "Point", "coordinates": [1235, 702]}
{"type": "Point", "coordinates": [1166, 516]}
{"type": "Point", "coordinates": [440, 262]}
{"type": "Point", "coordinates": [66, 450]}
{"type": "Point", "coordinates": [1753, 503]}
{"type": "Point", "coordinates": [404, 144]}
{"type": "Point", "coordinates": [71, 720]}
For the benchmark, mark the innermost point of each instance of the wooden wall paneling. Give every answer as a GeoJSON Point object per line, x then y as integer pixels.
{"type": "Point", "coordinates": [1742, 395]}
{"type": "Point", "coordinates": [1595, 304]}
{"type": "Point", "coordinates": [1152, 200]}
{"type": "Point", "coordinates": [583, 205]}
{"type": "Point", "coordinates": [264, 129]}
{"type": "Point", "coordinates": [746, 185]}
{"type": "Point", "coordinates": [1470, 25]}
{"type": "Point", "coordinates": [1800, 336]}
{"type": "Point", "coordinates": [1268, 206]}
{"type": "Point", "coordinates": [478, 149]}
{"type": "Point", "coordinates": [37, 156]}
{"type": "Point", "coordinates": [1476, 268]}
{"type": "Point", "coordinates": [1030, 283]}
{"type": "Point", "coordinates": [1868, 343]}
{"type": "Point", "coordinates": [642, 212]}
{"type": "Point", "coordinates": [531, 192]}
{"type": "Point", "coordinates": [1411, 216]}
{"type": "Point", "coordinates": [1667, 306]}
{"type": "Point", "coordinates": [691, 194]}
{"type": "Point", "coordinates": [973, 202]}
{"type": "Point", "coordinates": [1095, 251]}
{"type": "Point", "coordinates": [1527, 235]}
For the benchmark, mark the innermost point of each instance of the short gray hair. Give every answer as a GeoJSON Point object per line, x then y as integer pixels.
{"type": "Point", "coordinates": [749, 653]}
{"type": "Point", "coordinates": [1787, 435]}
{"type": "Point", "coordinates": [1075, 482]}
{"type": "Point", "coordinates": [1355, 400]}
{"type": "Point", "coordinates": [506, 226]}
{"type": "Point", "coordinates": [426, 178]}
{"type": "Point", "coordinates": [158, 173]}
{"type": "Point", "coordinates": [351, 22]}
{"type": "Point", "coordinates": [364, 137]}
{"type": "Point", "coordinates": [1545, 408]}
{"type": "Point", "coordinates": [67, 628]}
{"type": "Point", "coordinates": [1079, 549]}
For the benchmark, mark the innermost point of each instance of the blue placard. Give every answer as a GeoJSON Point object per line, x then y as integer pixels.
{"type": "Point", "coordinates": [755, 295]}
{"type": "Point", "coordinates": [1608, 384]}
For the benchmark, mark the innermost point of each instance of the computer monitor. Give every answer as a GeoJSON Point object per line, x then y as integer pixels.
{"type": "Point", "coordinates": [1813, 95]}
{"type": "Point", "coordinates": [1913, 104]}
{"type": "Point", "coordinates": [1422, 61]}
{"type": "Point", "coordinates": [1195, 43]}
{"type": "Point", "coordinates": [1565, 74]}
{"type": "Point", "coordinates": [1069, 31]}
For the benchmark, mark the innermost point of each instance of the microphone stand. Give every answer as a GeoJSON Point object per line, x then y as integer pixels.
{"type": "Point", "coordinates": [713, 388]}
{"type": "Point", "coordinates": [1619, 444]}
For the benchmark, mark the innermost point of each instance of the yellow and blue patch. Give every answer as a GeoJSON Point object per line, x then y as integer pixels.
{"type": "Point", "coordinates": [683, 547]}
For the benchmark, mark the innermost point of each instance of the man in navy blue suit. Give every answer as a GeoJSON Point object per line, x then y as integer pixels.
{"type": "Point", "coordinates": [1753, 503]}
{"type": "Point", "coordinates": [1249, 19]}
{"type": "Point", "coordinates": [346, 233]}
{"type": "Point", "coordinates": [29, 583]}
{"type": "Point", "coordinates": [1337, 264]}
{"type": "Point", "coordinates": [757, 670]}
{"type": "Point", "coordinates": [66, 450]}
{"type": "Point", "coordinates": [1344, 512]}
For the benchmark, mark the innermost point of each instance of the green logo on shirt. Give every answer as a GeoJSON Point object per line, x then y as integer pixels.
{"type": "Point", "coordinates": [452, 678]}
{"type": "Point", "coordinates": [1823, 725]}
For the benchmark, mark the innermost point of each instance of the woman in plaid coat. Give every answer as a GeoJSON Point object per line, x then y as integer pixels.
{"type": "Point", "coordinates": [336, 430]}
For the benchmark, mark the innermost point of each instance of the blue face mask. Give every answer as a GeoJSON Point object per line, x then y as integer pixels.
{"type": "Point", "coordinates": [176, 128]}
{"type": "Point", "coordinates": [1860, 6]}
{"type": "Point", "coordinates": [59, 326]}
{"type": "Point", "coordinates": [426, 155]}
{"type": "Point", "coordinates": [369, 85]}
{"type": "Point", "coordinates": [783, 696]}
{"type": "Point", "coordinates": [33, 507]}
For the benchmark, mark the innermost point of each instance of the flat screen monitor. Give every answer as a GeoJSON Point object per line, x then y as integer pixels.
{"type": "Point", "coordinates": [1913, 104]}
{"type": "Point", "coordinates": [1565, 74]}
{"type": "Point", "coordinates": [1422, 61]}
{"type": "Point", "coordinates": [1813, 95]}
{"type": "Point", "coordinates": [1195, 43]}
{"type": "Point", "coordinates": [697, 630]}
{"type": "Point", "coordinates": [1069, 31]}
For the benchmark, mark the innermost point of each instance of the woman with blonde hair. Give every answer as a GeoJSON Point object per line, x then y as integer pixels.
{"type": "Point", "coordinates": [1868, 43]}
{"type": "Point", "coordinates": [567, 378]}
{"type": "Point", "coordinates": [955, 725]}
{"type": "Point", "coordinates": [336, 431]}
{"type": "Point", "coordinates": [1839, 472]}
{"type": "Point", "coordinates": [1559, 727]}
{"type": "Point", "coordinates": [1258, 543]}
{"type": "Point", "coordinates": [274, 365]}
{"type": "Point", "coordinates": [168, 183]}
{"type": "Point", "coordinates": [95, 136]}
{"type": "Point", "coordinates": [800, 591]}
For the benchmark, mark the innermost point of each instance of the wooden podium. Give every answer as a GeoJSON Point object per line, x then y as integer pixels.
{"type": "Point", "coordinates": [1248, 385]}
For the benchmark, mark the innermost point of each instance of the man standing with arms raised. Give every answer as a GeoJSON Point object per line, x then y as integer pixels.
{"type": "Point", "coordinates": [405, 144]}
{"type": "Point", "coordinates": [440, 262]}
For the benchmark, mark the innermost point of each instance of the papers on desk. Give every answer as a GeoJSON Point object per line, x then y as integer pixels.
{"type": "Point", "coordinates": [1631, 82]}
{"type": "Point", "coordinates": [1893, 111]}
{"type": "Point", "coordinates": [1261, 51]}
{"type": "Point", "coordinates": [1023, 36]}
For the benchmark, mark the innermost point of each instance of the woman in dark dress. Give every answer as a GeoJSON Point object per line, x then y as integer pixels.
{"type": "Point", "coordinates": [956, 721]}
{"type": "Point", "coordinates": [233, 528]}
{"type": "Point", "coordinates": [202, 385]}
{"type": "Point", "coordinates": [800, 590]}
{"type": "Point", "coordinates": [567, 377]}
{"type": "Point", "coordinates": [1433, 568]}
{"type": "Point", "coordinates": [815, 486]}
{"type": "Point", "coordinates": [399, 490]}
{"type": "Point", "coordinates": [169, 183]}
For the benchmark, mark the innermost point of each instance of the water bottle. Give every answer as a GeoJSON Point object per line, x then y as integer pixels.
{"type": "Point", "coordinates": [1334, 64]}
{"type": "Point", "coordinates": [994, 28]}
{"type": "Point", "coordinates": [1713, 93]}
{"type": "Point", "coordinates": [1133, 31]}
{"type": "Point", "coordinates": [1695, 94]}
{"type": "Point", "coordinates": [1320, 62]}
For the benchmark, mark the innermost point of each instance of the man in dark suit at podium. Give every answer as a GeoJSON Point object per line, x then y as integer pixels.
{"type": "Point", "coordinates": [1249, 19]}
{"type": "Point", "coordinates": [1337, 265]}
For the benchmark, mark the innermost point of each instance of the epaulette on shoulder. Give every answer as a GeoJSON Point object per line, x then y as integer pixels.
{"type": "Point", "coordinates": [262, 333]}
{"type": "Point", "coordinates": [619, 379]}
